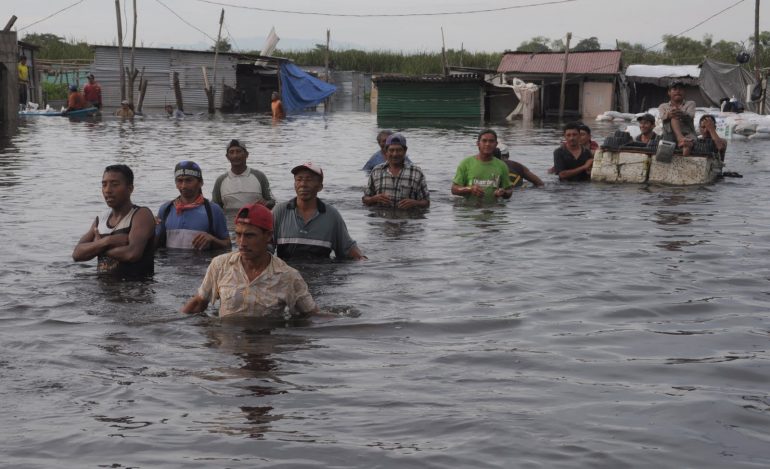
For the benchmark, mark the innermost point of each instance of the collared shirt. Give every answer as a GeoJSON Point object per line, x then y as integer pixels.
{"type": "Point", "coordinates": [323, 233]}
{"type": "Point", "coordinates": [409, 184]}
{"type": "Point", "coordinates": [378, 158]}
{"type": "Point", "coordinates": [277, 291]}
{"type": "Point", "coordinates": [232, 191]}
{"type": "Point", "coordinates": [687, 126]}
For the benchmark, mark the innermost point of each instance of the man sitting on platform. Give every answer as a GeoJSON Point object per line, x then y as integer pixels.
{"type": "Point", "coordinates": [678, 118]}
{"type": "Point", "coordinates": [646, 126]}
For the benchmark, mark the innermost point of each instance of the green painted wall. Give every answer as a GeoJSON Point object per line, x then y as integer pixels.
{"type": "Point", "coordinates": [434, 100]}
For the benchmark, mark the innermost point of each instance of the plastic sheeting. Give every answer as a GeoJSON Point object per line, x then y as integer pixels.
{"type": "Point", "coordinates": [300, 90]}
{"type": "Point", "coordinates": [719, 80]}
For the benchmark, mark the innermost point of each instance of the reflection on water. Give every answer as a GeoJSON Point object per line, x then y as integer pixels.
{"type": "Point", "coordinates": [577, 325]}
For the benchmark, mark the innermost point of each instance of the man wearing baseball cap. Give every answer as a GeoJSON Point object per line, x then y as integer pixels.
{"type": "Point", "coordinates": [241, 185]}
{"type": "Point", "coordinates": [251, 282]}
{"type": "Point", "coordinates": [396, 183]}
{"type": "Point", "coordinates": [678, 117]}
{"type": "Point", "coordinates": [190, 221]}
{"type": "Point", "coordinates": [646, 124]}
{"type": "Point", "coordinates": [306, 227]}
{"type": "Point", "coordinates": [75, 99]}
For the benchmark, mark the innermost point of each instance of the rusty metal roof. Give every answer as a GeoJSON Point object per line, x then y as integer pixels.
{"type": "Point", "coordinates": [600, 62]}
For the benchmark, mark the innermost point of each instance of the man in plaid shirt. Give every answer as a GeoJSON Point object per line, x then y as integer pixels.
{"type": "Point", "coordinates": [396, 183]}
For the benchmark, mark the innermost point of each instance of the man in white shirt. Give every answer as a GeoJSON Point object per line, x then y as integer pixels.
{"type": "Point", "coordinates": [241, 185]}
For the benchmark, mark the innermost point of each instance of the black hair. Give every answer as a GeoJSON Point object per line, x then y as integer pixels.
{"type": "Point", "coordinates": [571, 126]}
{"type": "Point", "coordinates": [484, 132]}
{"type": "Point", "coordinates": [707, 116]}
{"type": "Point", "coordinates": [128, 175]}
{"type": "Point", "coordinates": [582, 127]}
{"type": "Point", "coordinates": [385, 132]}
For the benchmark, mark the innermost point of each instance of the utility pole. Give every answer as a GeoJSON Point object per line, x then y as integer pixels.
{"type": "Point", "coordinates": [132, 72]}
{"type": "Point", "coordinates": [562, 96]}
{"type": "Point", "coordinates": [210, 92]}
{"type": "Point", "coordinates": [443, 53]}
{"type": "Point", "coordinates": [756, 41]}
{"type": "Point", "coordinates": [121, 67]}
{"type": "Point", "coordinates": [326, 64]}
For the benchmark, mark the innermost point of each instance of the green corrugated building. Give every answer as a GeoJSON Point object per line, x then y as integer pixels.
{"type": "Point", "coordinates": [440, 97]}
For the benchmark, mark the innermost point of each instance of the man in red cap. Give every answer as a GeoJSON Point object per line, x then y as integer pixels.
{"type": "Point", "coordinates": [251, 282]}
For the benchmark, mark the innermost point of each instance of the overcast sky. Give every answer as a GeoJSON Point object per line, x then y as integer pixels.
{"type": "Point", "coordinates": [637, 21]}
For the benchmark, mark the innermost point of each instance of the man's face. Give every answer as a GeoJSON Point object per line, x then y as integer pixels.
{"type": "Point", "coordinates": [676, 94]}
{"type": "Point", "coordinates": [395, 154]}
{"type": "Point", "coordinates": [585, 138]}
{"type": "Point", "coordinates": [704, 125]}
{"type": "Point", "coordinates": [188, 186]}
{"type": "Point", "coordinates": [91, 80]}
{"type": "Point", "coordinates": [115, 190]}
{"type": "Point", "coordinates": [252, 240]}
{"type": "Point", "coordinates": [237, 156]}
{"type": "Point", "coordinates": [487, 144]}
{"type": "Point", "coordinates": [572, 137]}
{"type": "Point", "coordinates": [646, 126]}
{"type": "Point", "coordinates": [307, 184]}
{"type": "Point", "coordinates": [381, 141]}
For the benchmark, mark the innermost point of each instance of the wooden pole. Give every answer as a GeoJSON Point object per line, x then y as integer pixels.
{"type": "Point", "coordinates": [443, 53]}
{"type": "Point", "coordinates": [178, 92]}
{"type": "Point", "coordinates": [210, 91]}
{"type": "Point", "coordinates": [132, 72]}
{"type": "Point", "coordinates": [121, 67]}
{"type": "Point", "coordinates": [10, 23]}
{"type": "Point", "coordinates": [142, 92]}
{"type": "Point", "coordinates": [756, 42]}
{"type": "Point", "coordinates": [562, 96]}
{"type": "Point", "coordinates": [328, 100]}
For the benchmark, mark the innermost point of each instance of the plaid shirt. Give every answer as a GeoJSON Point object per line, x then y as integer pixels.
{"type": "Point", "coordinates": [409, 184]}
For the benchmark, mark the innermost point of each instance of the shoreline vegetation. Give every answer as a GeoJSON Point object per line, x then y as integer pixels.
{"type": "Point", "coordinates": [675, 50]}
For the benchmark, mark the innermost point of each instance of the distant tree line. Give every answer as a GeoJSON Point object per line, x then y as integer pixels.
{"type": "Point", "coordinates": [676, 50]}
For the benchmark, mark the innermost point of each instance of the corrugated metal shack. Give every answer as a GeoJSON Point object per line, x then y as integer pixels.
{"type": "Point", "coordinates": [159, 67]}
{"type": "Point", "coordinates": [440, 97]}
{"type": "Point", "coordinates": [592, 79]}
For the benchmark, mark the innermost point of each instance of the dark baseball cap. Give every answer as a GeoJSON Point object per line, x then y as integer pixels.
{"type": "Point", "coordinates": [646, 117]}
{"type": "Point", "coordinates": [188, 168]}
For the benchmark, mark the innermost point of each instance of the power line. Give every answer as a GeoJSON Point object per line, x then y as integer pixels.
{"type": "Point", "coordinates": [387, 15]}
{"type": "Point", "coordinates": [51, 15]}
{"type": "Point", "coordinates": [707, 19]}
{"type": "Point", "coordinates": [187, 22]}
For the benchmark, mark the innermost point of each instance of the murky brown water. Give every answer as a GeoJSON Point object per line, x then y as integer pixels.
{"type": "Point", "coordinates": [573, 326]}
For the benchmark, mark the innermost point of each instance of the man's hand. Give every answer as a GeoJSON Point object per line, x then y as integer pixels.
{"type": "Point", "coordinates": [380, 199]}
{"type": "Point", "coordinates": [202, 241]}
{"type": "Point", "coordinates": [410, 203]}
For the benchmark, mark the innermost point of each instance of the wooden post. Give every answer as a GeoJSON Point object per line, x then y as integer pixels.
{"type": "Point", "coordinates": [121, 67]}
{"type": "Point", "coordinates": [10, 23]}
{"type": "Point", "coordinates": [178, 92]}
{"type": "Point", "coordinates": [562, 96]}
{"type": "Point", "coordinates": [326, 63]}
{"type": "Point", "coordinates": [756, 42]}
{"type": "Point", "coordinates": [207, 89]}
{"type": "Point", "coordinates": [443, 53]}
{"type": "Point", "coordinates": [210, 91]}
{"type": "Point", "coordinates": [142, 92]}
{"type": "Point", "coordinates": [132, 71]}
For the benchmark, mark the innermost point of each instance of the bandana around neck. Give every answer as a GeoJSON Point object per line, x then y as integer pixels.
{"type": "Point", "coordinates": [181, 207]}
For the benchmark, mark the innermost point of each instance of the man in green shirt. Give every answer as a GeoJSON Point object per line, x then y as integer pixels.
{"type": "Point", "coordinates": [483, 176]}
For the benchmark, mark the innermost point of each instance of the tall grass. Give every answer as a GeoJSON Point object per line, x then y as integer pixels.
{"type": "Point", "coordinates": [380, 61]}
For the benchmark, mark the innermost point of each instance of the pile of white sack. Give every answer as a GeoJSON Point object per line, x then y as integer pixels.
{"type": "Point", "coordinates": [729, 124]}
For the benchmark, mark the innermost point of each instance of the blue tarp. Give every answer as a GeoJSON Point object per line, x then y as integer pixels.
{"type": "Point", "coordinates": [300, 90]}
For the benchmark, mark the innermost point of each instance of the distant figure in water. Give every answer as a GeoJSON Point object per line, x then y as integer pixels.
{"type": "Point", "coordinates": [277, 107]}
{"type": "Point", "coordinates": [517, 171]}
{"type": "Point", "coordinates": [251, 282]}
{"type": "Point", "coordinates": [122, 237]}
{"type": "Point", "coordinates": [170, 112]}
{"type": "Point", "coordinates": [125, 110]}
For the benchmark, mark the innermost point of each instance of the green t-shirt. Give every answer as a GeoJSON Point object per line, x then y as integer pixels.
{"type": "Point", "coordinates": [490, 175]}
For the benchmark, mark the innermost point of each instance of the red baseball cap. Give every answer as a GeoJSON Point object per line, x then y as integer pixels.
{"type": "Point", "coordinates": [257, 215]}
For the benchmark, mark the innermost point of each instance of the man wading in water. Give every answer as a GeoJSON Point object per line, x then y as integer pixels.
{"type": "Point", "coordinates": [122, 237]}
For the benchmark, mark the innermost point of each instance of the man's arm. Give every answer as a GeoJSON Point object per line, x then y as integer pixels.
{"type": "Point", "coordinates": [531, 177]}
{"type": "Point", "coordinates": [195, 305]}
{"type": "Point", "coordinates": [569, 173]}
{"type": "Point", "coordinates": [267, 195]}
{"type": "Point", "coordinates": [142, 230]}
{"type": "Point", "coordinates": [92, 244]}
{"type": "Point", "coordinates": [355, 253]}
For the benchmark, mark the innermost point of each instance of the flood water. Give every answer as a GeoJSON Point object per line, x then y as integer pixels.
{"type": "Point", "coordinates": [578, 325]}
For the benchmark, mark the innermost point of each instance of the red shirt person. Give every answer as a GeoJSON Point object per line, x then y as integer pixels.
{"type": "Point", "coordinates": [93, 92]}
